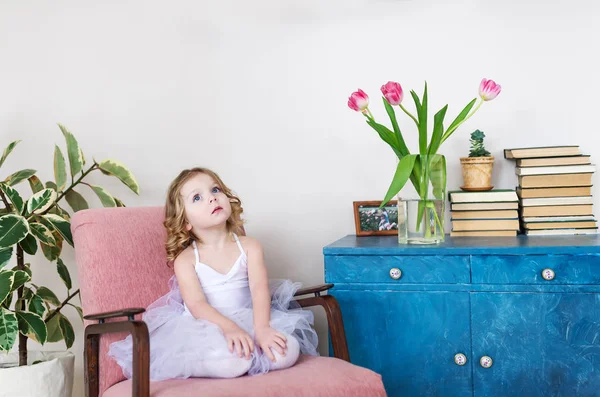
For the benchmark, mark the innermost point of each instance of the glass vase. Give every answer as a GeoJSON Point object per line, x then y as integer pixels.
{"type": "Point", "coordinates": [421, 203]}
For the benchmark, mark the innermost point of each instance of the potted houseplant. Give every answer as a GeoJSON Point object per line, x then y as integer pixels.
{"type": "Point", "coordinates": [28, 310]}
{"type": "Point", "coordinates": [477, 168]}
{"type": "Point", "coordinates": [420, 220]}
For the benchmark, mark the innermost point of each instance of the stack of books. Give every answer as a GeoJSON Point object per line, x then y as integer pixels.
{"type": "Point", "coordinates": [555, 190]}
{"type": "Point", "coordinates": [489, 213]}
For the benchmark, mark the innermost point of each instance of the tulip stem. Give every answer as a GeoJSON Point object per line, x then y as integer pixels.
{"type": "Point", "coordinates": [409, 114]}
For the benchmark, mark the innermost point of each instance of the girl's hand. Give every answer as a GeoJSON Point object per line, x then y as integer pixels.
{"type": "Point", "coordinates": [240, 340]}
{"type": "Point", "coordinates": [267, 338]}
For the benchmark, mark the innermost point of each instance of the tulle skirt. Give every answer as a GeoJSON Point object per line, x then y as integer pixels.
{"type": "Point", "coordinates": [178, 341]}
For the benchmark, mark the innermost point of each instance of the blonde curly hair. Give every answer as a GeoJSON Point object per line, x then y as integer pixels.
{"type": "Point", "coordinates": [178, 238]}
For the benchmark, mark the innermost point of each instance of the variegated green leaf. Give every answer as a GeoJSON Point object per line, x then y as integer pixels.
{"type": "Point", "coordinates": [48, 296]}
{"type": "Point", "coordinates": [32, 326]}
{"type": "Point", "coordinates": [9, 329]}
{"type": "Point", "coordinates": [52, 253]}
{"type": "Point", "coordinates": [14, 197]}
{"type": "Point", "coordinates": [7, 151]}
{"type": "Point", "coordinates": [21, 277]}
{"type": "Point", "coordinates": [105, 198]}
{"type": "Point", "coordinates": [119, 202]}
{"type": "Point", "coordinates": [5, 255]}
{"type": "Point", "coordinates": [73, 151]}
{"type": "Point", "coordinates": [7, 278]}
{"type": "Point", "coordinates": [76, 201]}
{"type": "Point", "coordinates": [19, 176]}
{"type": "Point", "coordinates": [63, 272]}
{"type": "Point", "coordinates": [29, 244]}
{"type": "Point", "coordinates": [51, 185]}
{"type": "Point", "coordinates": [60, 169]}
{"type": "Point", "coordinates": [41, 201]}
{"type": "Point", "coordinates": [35, 184]}
{"type": "Point", "coordinates": [42, 233]}
{"type": "Point", "coordinates": [53, 327]}
{"type": "Point", "coordinates": [67, 330]}
{"type": "Point", "coordinates": [116, 168]}
{"type": "Point", "coordinates": [79, 311]}
{"type": "Point", "coordinates": [62, 226]}
{"type": "Point", "coordinates": [13, 228]}
{"type": "Point", "coordinates": [36, 305]}
{"type": "Point", "coordinates": [8, 301]}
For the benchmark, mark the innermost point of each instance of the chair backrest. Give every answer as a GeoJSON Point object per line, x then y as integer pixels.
{"type": "Point", "coordinates": [122, 263]}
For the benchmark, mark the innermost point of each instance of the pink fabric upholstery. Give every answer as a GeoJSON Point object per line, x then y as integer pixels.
{"type": "Point", "coordinates": [122, 263]}
{"type": "Point", "coordinates": [310, 377]}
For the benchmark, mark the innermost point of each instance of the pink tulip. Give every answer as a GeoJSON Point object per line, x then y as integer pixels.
{"type": "Point", "coordinates": [392, 92]}
{"type": "Point", "coordinates": [358, 101]}
{"type": "Point", "coordinates": [489, 90]}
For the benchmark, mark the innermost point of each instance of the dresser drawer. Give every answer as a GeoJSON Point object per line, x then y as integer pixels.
{"type": "Point", "coordinates": [422, 269]}
{"type": "Point", "coordinates": [518, 269]}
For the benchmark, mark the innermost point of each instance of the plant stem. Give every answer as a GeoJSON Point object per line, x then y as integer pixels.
{"type": "Point", "coordinates": [6, 204]}
{"type": "Point", "coordinates": [22, 338]}
{"type": "Point", "coordinates": [58, 309]}
{"type": "Point", "coordinates": [409, 114]}
{"type": "Point", "coordinates": [83, 175]}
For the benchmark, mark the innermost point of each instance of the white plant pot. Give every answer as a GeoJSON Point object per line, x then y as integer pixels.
{"type": "Point", "coordinates": [53, 377]}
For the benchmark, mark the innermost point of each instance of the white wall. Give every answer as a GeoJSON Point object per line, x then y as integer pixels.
{"type": "Point", "coordinates": [257, 91]}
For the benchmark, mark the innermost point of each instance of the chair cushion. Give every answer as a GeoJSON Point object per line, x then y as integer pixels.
{"type": "Point", "coordinates": [310, 377]}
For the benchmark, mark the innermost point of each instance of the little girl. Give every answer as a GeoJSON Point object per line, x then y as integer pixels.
{"type": "Point", "coordinates": [222, 318]}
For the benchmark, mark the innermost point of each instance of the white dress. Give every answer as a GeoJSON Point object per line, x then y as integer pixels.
{"type": "Point", "coordinates": [181, 344]}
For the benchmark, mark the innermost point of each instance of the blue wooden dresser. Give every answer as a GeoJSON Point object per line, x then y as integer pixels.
{"type": "Point", "coordinates": [503, 316]}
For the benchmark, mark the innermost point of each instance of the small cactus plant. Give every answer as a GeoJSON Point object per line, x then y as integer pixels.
{"type": "Point", "coordinates": [477, 147]}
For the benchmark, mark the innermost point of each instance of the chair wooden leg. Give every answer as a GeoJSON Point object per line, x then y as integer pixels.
{"type": "Point", "coordinates": [335, 322]}
{"type": "Point", "coordinates": [141, 355]}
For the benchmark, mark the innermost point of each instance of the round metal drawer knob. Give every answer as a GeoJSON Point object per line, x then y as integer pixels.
{"type": "Point", "coordinates": [486, 361]}
{"type": "Point", "coordinates": [460, 359]}
{"type": "Point", "coordinates": [548, 274]}
{"type": "Point", "coordinates": [395, 273]}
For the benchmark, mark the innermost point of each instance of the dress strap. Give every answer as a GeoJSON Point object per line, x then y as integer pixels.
{"type": "Point", "coordinates": [237, 240]}
{"type": "Point", "coordinates": [196, 251]}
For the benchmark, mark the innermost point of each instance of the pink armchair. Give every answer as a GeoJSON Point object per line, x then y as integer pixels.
{"type": "Point", "coordinates": [122, 268]}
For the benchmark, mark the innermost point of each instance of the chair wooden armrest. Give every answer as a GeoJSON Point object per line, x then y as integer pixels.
{"type": "Point", "coordinates": [316, 289]}
{"type": "Point", "coordinates": [141, 350]}
{"type": "Point", "coordinates": [334, 317]}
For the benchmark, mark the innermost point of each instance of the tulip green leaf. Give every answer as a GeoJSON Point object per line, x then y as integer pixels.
{"type": "Point", "coordinates": [13, 228]}
{"type": "Point", "coordinates": [403, 171]}
{"type": "Point", "coordinates": [32, 326]}
{"type": "Point", "coordinates": [458, 120]}
{"type": "Point", "coordinates": [116, 168]}
{"type": "Point", "coordinates": [7, 151]}
{"type": "Point", "coordinates": [438, 130]}
{"type": "Point", "coordinates": [9, 329]}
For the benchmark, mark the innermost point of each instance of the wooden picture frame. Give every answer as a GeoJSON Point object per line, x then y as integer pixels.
{"type": "Point", "coordinates": [375, 222]}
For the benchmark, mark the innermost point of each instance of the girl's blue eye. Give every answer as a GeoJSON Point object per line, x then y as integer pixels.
{"type": "Point", "coordinates": [216, 190]}
{"type": "Point", "coordinates": [196, 198]}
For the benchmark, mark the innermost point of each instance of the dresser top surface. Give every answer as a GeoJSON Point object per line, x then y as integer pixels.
{"type": "Point", "coordinates": [388, 245]}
